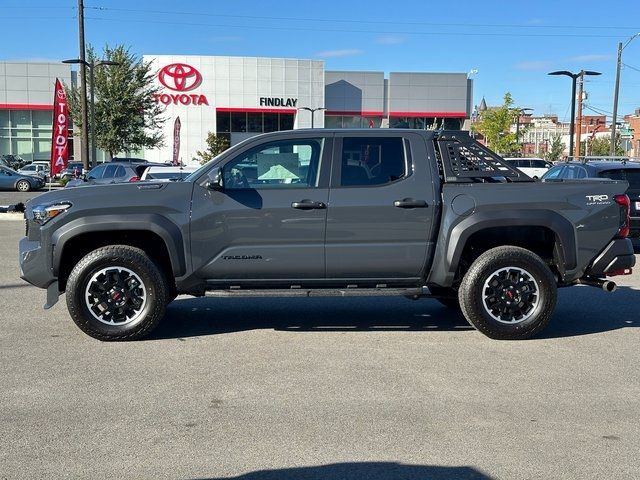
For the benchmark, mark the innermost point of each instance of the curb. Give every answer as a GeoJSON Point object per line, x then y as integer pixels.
{"type": "Point", "coordinates": [12, 216]}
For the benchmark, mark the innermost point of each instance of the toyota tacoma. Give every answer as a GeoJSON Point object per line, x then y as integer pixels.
{"type": "Point", "coordinates": [331, 212]}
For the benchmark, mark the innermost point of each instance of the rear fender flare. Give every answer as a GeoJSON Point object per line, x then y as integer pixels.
{"type": "Point", "coordinates": [460, 233]}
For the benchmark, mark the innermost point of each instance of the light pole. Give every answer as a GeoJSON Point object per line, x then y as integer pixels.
{"type": "Point", "coordinates": [313, 111]}
{"type": "Point", "coordinates": [616, 91]}
{"type": "Point", "coordinates": [91, 66]}
{"type": "Point", "coordinates": [574, 77]}
{"type": "Point", "coordinates": [521, 111]}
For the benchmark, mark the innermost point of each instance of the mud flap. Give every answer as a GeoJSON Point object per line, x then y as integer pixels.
{"type": "Point", "coordinates": [52, 295]}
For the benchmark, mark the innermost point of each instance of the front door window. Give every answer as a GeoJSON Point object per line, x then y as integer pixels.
{"type": "Point", "coordinates": [281, 164]}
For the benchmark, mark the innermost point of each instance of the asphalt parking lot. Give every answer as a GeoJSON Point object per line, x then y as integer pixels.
{"type": "Point", "coordinates": [364, 388]}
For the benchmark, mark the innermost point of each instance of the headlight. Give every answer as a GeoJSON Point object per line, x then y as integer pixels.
{"type": "Point", "coordinates": [43, 213]}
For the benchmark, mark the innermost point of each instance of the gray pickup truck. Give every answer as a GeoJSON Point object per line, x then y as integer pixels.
{"type": "Point", "coordinates": [331, 212]}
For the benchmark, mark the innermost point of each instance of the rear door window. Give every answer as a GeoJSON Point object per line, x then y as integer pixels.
{"type": "Point", "coordinates": [574, 171]}
{"type": "Point", "coordinates": [538, 164]}
{"type": "Point", "coordinates": [372, 161]}
{"type": "Point", "coordinates": [110, 171]}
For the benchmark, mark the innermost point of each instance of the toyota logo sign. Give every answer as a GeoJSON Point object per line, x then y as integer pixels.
{"type": "Point", "coordinates": [179, 77]}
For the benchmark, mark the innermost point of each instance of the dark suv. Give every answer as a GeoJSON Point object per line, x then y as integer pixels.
{"type": "Point", "coordinates": [629, 171]}
{"type": "Point", "coordinates": [113, 173]}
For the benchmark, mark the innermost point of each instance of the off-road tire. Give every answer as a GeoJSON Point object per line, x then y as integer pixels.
{"type": "Point", "coordinates": [134, 259]}
{"type": "Point", "coordinates": [447, 296]}
{"type": "Point", "coordinates": [472, 296]}
{"type": "Point", "coordinates": [23, 186]}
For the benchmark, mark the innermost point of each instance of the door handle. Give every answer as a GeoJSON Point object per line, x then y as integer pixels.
{"type": "Point", "coordinates": [410, 203]}
{"type": "Point", "coordinates": [308, 205]}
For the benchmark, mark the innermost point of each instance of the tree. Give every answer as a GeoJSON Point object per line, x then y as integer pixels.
{"type": "Point", "coordinates": [495, 125]}
{"type": "Point", "coordinates": [127, 116]}
{"type": "Point", "coordinates": [556, 148]}
{"type": "Point", "coordinates": [601, 146]}
{"type": "Point", "coordinates": [215, 146]}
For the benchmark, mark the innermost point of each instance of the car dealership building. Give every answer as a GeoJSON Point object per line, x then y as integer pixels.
{"type": "Point", "coordinates": [238, 97]}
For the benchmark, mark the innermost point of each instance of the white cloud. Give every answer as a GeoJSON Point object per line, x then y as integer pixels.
{"type": "Point", "coordinates": [390, 40]}
{"type": "Point", "coordinates": [591, 57]}
{"type": "Point", "coordinates": [345, 52]}
{"type": "Point", "coordinates": [533, 65]}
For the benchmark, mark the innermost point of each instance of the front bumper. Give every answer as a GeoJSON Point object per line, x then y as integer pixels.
{"type": "Point", "coordinates": [35, 263]}
{"type": "Point", "coordinates": [617, 255]}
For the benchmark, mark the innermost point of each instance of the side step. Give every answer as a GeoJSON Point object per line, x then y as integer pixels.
{"type": "Point", "coordinates": [321, 292]}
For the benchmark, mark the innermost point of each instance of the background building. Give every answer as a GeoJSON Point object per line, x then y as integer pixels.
{"type": "Point", "coordinates": [26, 110]}
{"type": "Point", "coordinates": [238, 97]}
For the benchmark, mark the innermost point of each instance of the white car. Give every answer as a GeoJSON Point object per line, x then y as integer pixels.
{"type": "Point", "coordinates": [166, 173]}
{"type": "Point", "coordinates": [35, 168]}
{"type": "Point", "coordinates": [534, 167]}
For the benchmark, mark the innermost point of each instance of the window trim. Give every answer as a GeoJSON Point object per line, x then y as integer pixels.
{"type": "Point", "coordinates": [325, 143]}
{"type": "Point", "coordinates": [336, 170]}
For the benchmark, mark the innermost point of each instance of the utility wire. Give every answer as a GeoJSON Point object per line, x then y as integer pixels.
{"type": "Point", "coordinates": [350, 30]}
{"type": "Point", "coordinates": [339, 20]}
{"type": "Point", "coordinates": [631, 67]}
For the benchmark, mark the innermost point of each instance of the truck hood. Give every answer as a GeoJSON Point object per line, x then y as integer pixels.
{"type": "Point", "coordinates": [119, 198]}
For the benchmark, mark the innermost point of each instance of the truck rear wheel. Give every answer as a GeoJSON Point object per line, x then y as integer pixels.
{"type": "Point", "coordinates": [509, 293]}
{"type": "Point", "coordinates": [116, 293]}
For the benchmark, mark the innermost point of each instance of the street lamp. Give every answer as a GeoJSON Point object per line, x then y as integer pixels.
{"type": "Point", "coordinates": [616, 91]}
{"type": "Point", "coordinates": [91, 66]}
{"type": "Point", "coordinates": [574, 77]}
{"type": "Point", "coordinates": [313, 111]}
{"type": "Point", "coordinates": [521, 111]}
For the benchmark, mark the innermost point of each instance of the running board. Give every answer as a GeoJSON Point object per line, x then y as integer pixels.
{"type": "Point", "coordinates": [321, 292]}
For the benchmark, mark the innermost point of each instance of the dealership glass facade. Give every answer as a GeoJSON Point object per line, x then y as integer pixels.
{"type": "Point", "coordinates": [228, 122]}
{"type": "Point", "coordinates": [426, 123]}
{"type": "Point", "coordinates": [351, 121]}
{"type": "Point", "coordinates": [26, 133]}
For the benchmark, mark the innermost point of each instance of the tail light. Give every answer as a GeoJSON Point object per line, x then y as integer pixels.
{"type": "Point", "coordinates": [625, 215]}
{"type": "Point", "coordinates": [137, 179]}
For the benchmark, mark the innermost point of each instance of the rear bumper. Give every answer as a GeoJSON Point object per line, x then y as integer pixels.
{"type": "Point", "coordinates": [617, 255]}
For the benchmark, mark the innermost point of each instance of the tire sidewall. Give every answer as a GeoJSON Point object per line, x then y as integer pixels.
{"type": "Point", "coordinates": [20, 182]}
{"type": "Point", "coordinates": [81, 313]}
{"type": "Point", "coordinates": [472, 292]}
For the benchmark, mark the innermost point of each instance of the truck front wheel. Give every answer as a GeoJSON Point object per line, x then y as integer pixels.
{"type": "Point", "coordinates": [116, 293]}
{"type": "Point", "coordinates": [509, 293]}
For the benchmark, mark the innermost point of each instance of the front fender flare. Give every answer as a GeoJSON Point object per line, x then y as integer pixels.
{"type": "Point", "coordinates": [163, 227]}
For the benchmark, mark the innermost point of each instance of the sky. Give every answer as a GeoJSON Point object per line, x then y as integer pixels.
{"type": "Point", "coordinates": [511, 44]}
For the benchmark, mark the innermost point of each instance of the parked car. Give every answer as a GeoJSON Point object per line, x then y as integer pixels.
{"type": "Point", "coordinates": [534, 167]}
{"type": "Point", "coordinates": [40, 169]}
{"type": "Point", "coordinates": [14, 162]}
{"type": "Point", "coordinates": [109, 172]}
{"type": "Point", "coordinates": [12, 180]}
{"type": "Point", "coordinates": [73, 170]}
{"type": "Point", "coordinates": [331, 212]}
{"type": "Point", "coordinates": [615, 170]}
{"type": "Point", "coordinates": [166, 173]}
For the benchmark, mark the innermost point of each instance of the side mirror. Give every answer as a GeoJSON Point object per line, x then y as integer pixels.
{"type": "Point", "coordinates": [215, 179]}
